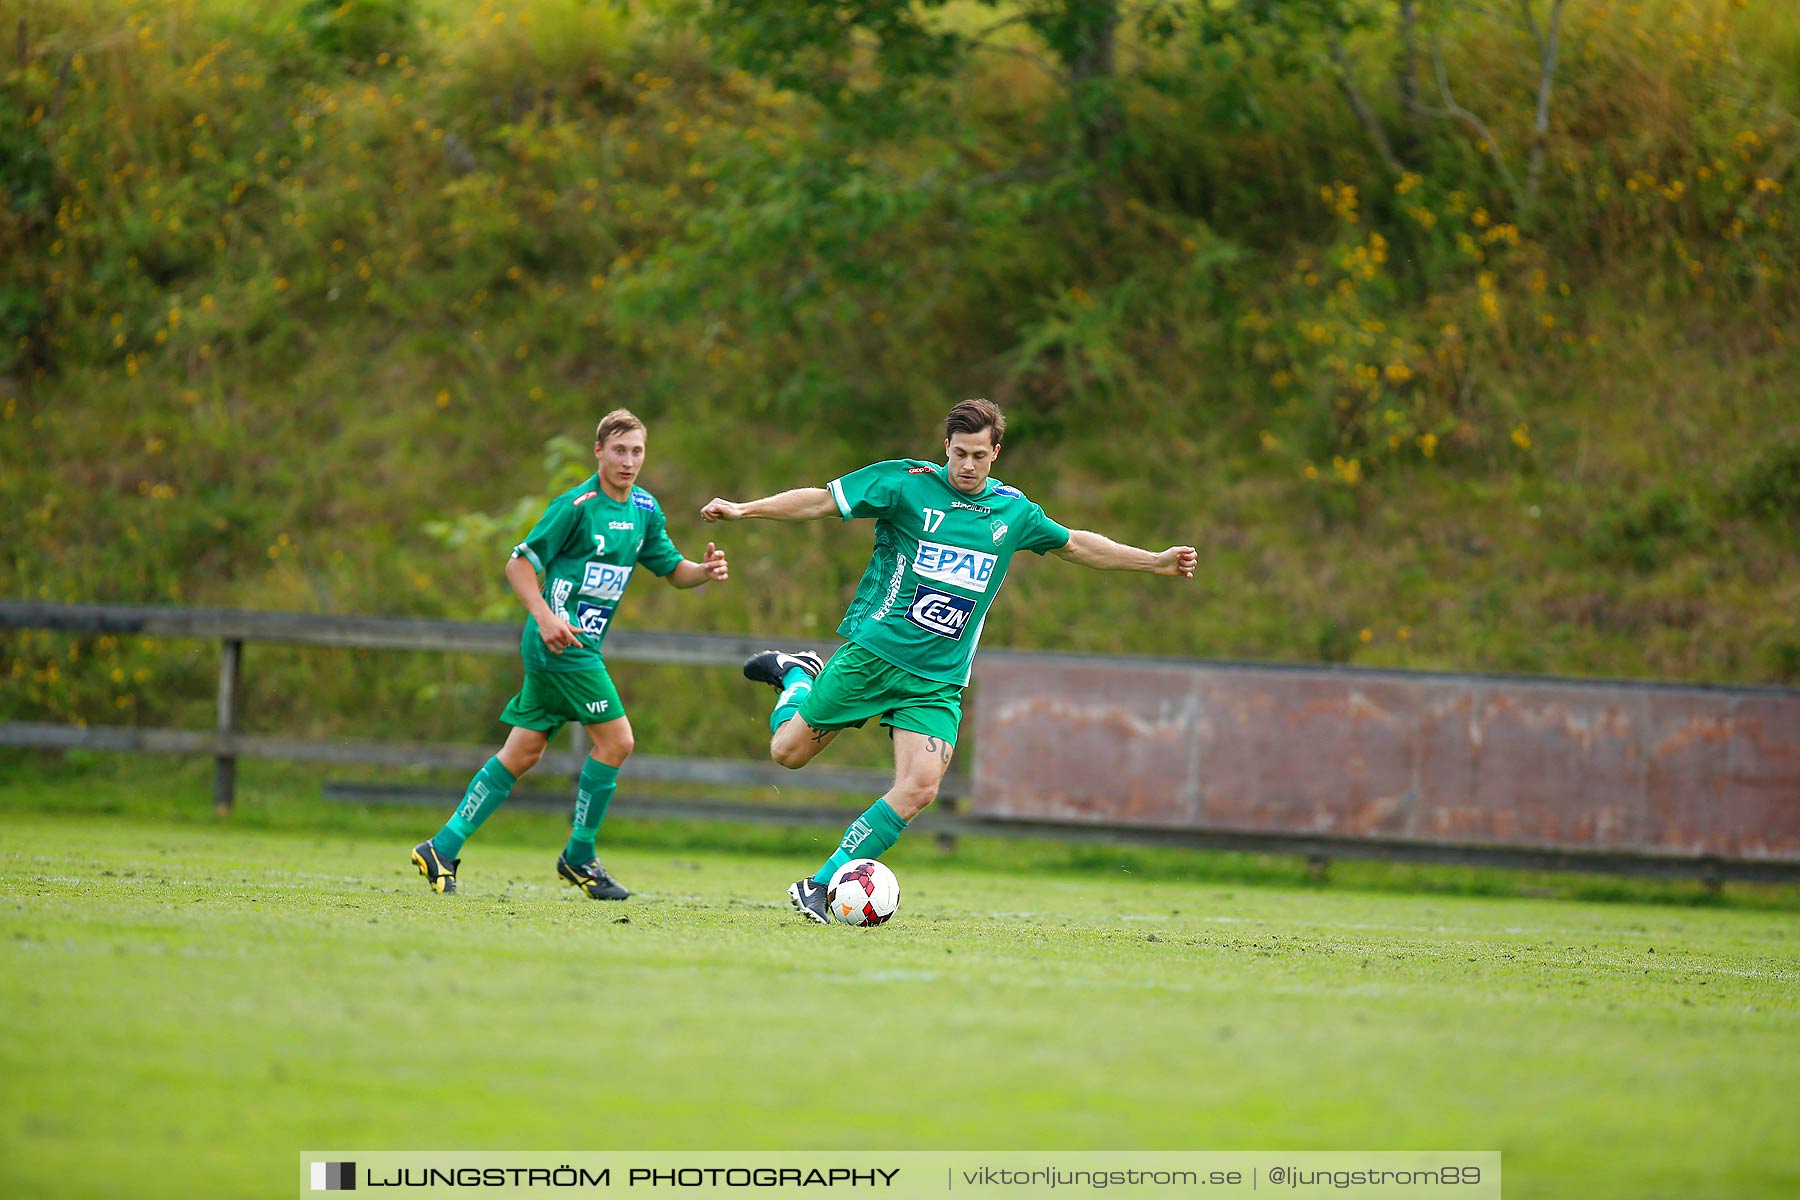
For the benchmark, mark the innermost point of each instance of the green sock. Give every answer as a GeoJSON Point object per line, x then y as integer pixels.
{"type": "Point", "coordinates": [593, 794]}
{"type": "Point", "coordinates": [487, 791]}
{"type": "Point", "coordinates": [794, 686]}
{"type": "Point", "coordinates": [869, 836]}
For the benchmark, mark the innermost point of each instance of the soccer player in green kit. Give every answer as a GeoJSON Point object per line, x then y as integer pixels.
{"type": "Point", "coordinates": [944, 534]}
{"type": "Point", "coordinates": [585, 546]}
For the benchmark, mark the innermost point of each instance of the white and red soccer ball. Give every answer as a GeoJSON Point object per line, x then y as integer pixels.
{"type": "Point", "coordinates": [863, 892]}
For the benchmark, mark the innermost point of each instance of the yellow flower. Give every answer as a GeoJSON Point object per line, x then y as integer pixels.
{"type": "Point", "coordinates": [1521, 436]}
{"type": "Point", "coordinates": [1365, 635]}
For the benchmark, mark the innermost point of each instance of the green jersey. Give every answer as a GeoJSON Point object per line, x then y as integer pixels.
{"type": "Point", "coordinates": [585, 546]}
{"type": "Point", "coordinates": [940, 557]}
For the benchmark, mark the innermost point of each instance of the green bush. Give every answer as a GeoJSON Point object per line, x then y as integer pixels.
{"type": "Point", "coordinates": [1770, 487]}
{"type": "Point", "coordinates": [366, 32]}
{"type": "Point", "coordinates": [1643, 532]}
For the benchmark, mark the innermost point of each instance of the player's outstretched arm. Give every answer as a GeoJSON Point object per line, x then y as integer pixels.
{"type": "Point", "coordinates": [799, 504]}
{"type": "Point", "coordinates": [711, 569]}
{"type": "Point", "coordinates": [1094, 550]}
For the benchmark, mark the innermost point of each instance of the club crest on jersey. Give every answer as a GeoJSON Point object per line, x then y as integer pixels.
{"type": "Point", "coordinates": [643, 500]}
{"type": "Point", "coordinates": [603, 581]}
{"type": "Point", "coordinates": [940, 612]}
{"type": "Point", "coordinates": [592, 618]}
{"type": "Point", "coordinates": [999, 531]}
{"type": "Point", "coordinates": [967, 569]}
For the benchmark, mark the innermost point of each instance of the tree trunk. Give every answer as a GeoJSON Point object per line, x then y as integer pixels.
{"type": "Point", "coordinates": [1406, 76]}
{"type": "Point", "coordinates": [1365, 115]}
{"type": "Point", "coordinates": [1093, 55]}
{"type": "Point", "coordinates": [1549, 46]}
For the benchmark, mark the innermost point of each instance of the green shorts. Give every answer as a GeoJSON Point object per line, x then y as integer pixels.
{"type": "Point", "coordinates": [550, 699]}
{"type": "Point", "coordinates": [857, 685]}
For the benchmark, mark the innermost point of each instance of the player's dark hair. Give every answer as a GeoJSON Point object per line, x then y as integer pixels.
{"type": "Point", "coordinates": [973, 416]}
{"type": "Point", "coordinates": [615, 422]}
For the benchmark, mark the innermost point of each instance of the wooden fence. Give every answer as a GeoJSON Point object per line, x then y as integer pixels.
{"type": "Point", "coordinates": [1161, 752]}
{"type": "Point", "coordinates": [226, 743]}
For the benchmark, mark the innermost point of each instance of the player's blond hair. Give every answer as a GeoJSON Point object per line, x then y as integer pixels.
{"type": "Point", "coordinates": [973, 416]}
{"type": "Point", "coordinates": [618, 421]}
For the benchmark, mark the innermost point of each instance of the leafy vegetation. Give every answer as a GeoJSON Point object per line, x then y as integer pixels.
{"type": "Point", "coordinates": [1439, 369]}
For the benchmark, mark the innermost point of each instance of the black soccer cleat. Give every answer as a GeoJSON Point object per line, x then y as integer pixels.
{"type": "Point", "coordinates": [591, 878]}
{"type": "Point", "coordinates": [808, 896]}
{"type": "Point", "coordinates": [438, 871]}
{"type": "Point", "coordinates": [772, 666]}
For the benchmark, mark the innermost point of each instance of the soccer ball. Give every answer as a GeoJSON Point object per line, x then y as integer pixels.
{"type": "Point", "coordinates": [863, 892]}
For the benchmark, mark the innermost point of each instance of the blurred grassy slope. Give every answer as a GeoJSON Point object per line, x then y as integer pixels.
{"type": "Point", "coordinates": [282, 287]}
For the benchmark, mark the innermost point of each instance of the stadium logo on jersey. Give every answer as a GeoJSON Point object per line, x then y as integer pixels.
{"type": "Point", "coordinates": [620, 525]}
{"type": "Point", "coordinates": [603, 581]}
{"type": "Point", "coordinates": [1001, 489]}
{"type": "Point", "coordinates": [999, 528]}
{"type": "Point", "coordinates": [940, 612]}
{"type": "Point", "coordinates": [969, 569]}
{"type": "Point", "coordinates": [643, 500]}
{"type": "Point", "coordinates": [592, 618]}
{"type": "Point", "coordinates": [584, 498]}
{"type": "Point", "coordinates": [979, 510]}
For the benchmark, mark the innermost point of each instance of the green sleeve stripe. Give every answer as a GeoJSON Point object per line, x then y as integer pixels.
{"type": "Point", "coordinates": [837, 494]}
{"type": "Point", "coordinates": [523, 551]}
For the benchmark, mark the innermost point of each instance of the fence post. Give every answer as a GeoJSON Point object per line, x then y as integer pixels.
{"type": "Point", "coordinates": [231, 654]}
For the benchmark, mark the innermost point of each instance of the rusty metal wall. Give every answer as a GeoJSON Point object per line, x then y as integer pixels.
{"type": "Point", "coordinates": [1566, 765]}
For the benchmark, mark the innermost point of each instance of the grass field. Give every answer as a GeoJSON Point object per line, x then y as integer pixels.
{"type": "Point", "coordinates": [188, 1005]}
